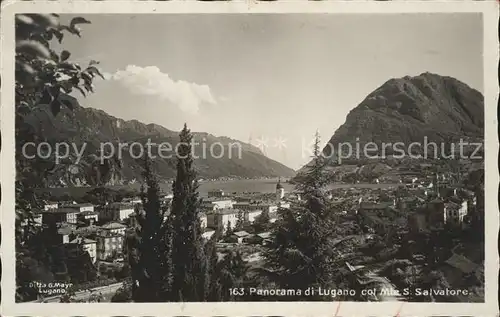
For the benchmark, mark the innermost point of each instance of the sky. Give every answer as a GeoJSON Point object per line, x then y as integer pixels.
{"type": "Point", "coordinates": [269, 79]}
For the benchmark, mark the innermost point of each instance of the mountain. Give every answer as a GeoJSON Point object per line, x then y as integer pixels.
{"type": "Point", "coordinates": [406, 110]}
{"type": "Point", "coordinates": [95, 128]}
{"type": "Point", "coordinates": [409, 109]}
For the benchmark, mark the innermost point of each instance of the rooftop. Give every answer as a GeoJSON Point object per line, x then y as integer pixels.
{"type": "Point", "coordinates": [78, 205]}
{"type": "Point", "coordinates": [264, 235]}
{"type": "Point", "coordinates": [88, 212]}
{"type": "Point", "coordinates": [241, 234]}
{"type": "Point", "coordinates": [60, 211]}
{"type": "Point", "coordinates": [84, 241]}
{"type": "Point", "coordinates": [383, 205]}
{"type": "Point", "coordinates": [65, 230]}
{"type": "Point", "coordinates": [113, 225]}
{"type": "Point", "coordinates": [226, 211]}
{"type": "Point", "coordinates": [121, 205]}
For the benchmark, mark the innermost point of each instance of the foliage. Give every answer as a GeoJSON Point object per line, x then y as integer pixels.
{"type": "Point", "coordinates": [123, 294]}
{"type": "Point", "coordinates": [191, 280]}
{"type": "Point", "coordinates": [45, 80]}
{"type": "Point", "coordinates": [299, 257]}
{"type": "Point", "coordinates": [240, 222]}
{"type": "Point", "coordinates": [262, 222]}
{"type": "Point", "coordinates": [231, 273]}
{"type": "Point", "coordinates": [102, 195]}
{"type": "Point", "coordinates": [149, 249]}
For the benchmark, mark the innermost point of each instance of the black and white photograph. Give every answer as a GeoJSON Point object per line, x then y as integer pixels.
{"type": "Point", "coordinates": [250, 156]}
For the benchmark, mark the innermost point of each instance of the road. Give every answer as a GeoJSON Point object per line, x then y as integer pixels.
{"type": "Point", "coordinates": [107, 292]}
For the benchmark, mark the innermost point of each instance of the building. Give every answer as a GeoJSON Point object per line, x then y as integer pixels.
{"type": "Point", "coordinates": [87, 231]}
{"type": "Point", "coordinates": [252, 214]}
{"type": "Point", "coordinates": [203, 220]}
{"type": "Point", "coordinates": [408, 203]}
{"type": "Point", "coordinates": [369, 207]}
{"type": "Point", "coordinates": [117, 211]}
{"type": "Point", "coordinates": [258, 205]}
{"type": "Point", "coordinates": [212, 204]}
{"type": "Point", "coordinates": [220, 219]}
{"type": "Point", "coordinates": [239, 236]}
{"type": "Point", "coordinates": [207, 234]}
{"type": "Point", "coordinates": [260, 238]}
{"type": "Point", "coordinates": [273, 217]}
{"type": "Point", "coordinates": [112, 228]}
{"type": "Point", "coordinates": [109, 246]}
{"type": "Point", "coordinates": [60, 215]}
{"type": "Point", "coordinates": [454, 213]}
{"type": "Point", "coordinates": [88, 217]}
{"type": "Point", "coordinates": [280, 191]}
{"type": "Point", "coordinates": [50, 205]}
{"type": "Point", "coordinates": [80, 207]}
{"type": "Point", "coordinates": [216, 193]}
{"type": "Point", "coordinates": [133, 201]}
{"type": "Point", "coordinates": [64, 233]}
{"type": "Point", "coordinates": [89, 246]}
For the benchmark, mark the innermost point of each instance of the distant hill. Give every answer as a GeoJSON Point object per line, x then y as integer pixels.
{"type": "Point", "coordinates": [407, 110]}
{"type": "Point", "coordinates": [96, 126]}
{"type": "Point", "coordinates": [410, 108]}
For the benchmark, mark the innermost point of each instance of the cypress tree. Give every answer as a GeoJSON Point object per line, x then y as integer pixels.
{"type": "Point", "coordinates": [298, 256]}
{"type": "Point", "coordinates": [150, 248]}
{"type": "Point", "coordinates": [240, 223]}
{"type": "Point", "coordinates": [191, 282]}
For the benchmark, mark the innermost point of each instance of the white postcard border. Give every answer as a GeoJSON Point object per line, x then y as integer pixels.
{"type": "Point", "coordinates": [490, 12]}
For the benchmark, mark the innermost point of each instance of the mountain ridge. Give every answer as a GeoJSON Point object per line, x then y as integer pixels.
{"type": "Point", "coordinates": [410, 108]}
{"type": "Point", "coordinates": [94, 127]}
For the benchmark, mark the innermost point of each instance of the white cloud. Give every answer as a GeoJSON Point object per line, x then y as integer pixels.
{"type": "Point", "coordinates": [152, 82]}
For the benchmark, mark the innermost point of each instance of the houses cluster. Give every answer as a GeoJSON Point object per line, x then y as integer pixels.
{"type": "Point", "coordinates": [421, 208]}
{"type": "Point", "coordinates": [101, 230]}
{"type": "Point", "coordinates": [222, 211]}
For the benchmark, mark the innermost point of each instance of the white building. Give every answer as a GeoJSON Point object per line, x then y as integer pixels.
{"type": "Point", "coordinates": [88, 245]}
{"type": "Point", "coordinates": [455, 213]}
{"type": "Point", "coordinates": [50, 205]}
{"type": "Point", "coordinates": [80, 207]}
{"type": "Point", "coordinates": [252, 214]}
{"type": "Point", "coordinates": [89, 217]}
{"type": "Point", "coordinates": [262, 206]}
{"type": "Point", "coordinates": [208, 234]}
{"type": "Point", "coordinates": [112, 228]}
{"type": "Point", "coordinates": [117, 211]}
{"type": "Point", "coordinates": [212, 204]}
{"type": "Point", "coordinates": [203, 220]}
{"type": "Point", "coordinates": [221, 218]}
{"type": "Point", "coordinates": [216, 193]}
{"type": "Point", "coordinates": [280, 191]}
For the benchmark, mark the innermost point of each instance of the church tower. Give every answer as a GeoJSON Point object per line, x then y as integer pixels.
{"type": "Point", "coordinates": [280, 191]}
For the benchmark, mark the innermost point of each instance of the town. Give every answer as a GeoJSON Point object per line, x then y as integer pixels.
{"type": "Point", "coordinates": [390, 235]}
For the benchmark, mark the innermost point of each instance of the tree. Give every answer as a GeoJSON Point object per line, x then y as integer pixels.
{"type": "Point", "coordinates": [150, 248]}
{"type": "Point", "coordinates": [229, 230]}
{"type": "Point", "coordinates": [262, 221]}
{"type": "Point", "coordinates": [44, 80]}
{"type": "Point", "coordinates": [299, 257]}
{"type": "Point", "coordinates": [240, 222]}
{"type": "Point", "coordinates": [231, 274]}
{"type": "Point", "coordinates": [215, 292]}
{"type": "Point", "coordinates": [191, 282]}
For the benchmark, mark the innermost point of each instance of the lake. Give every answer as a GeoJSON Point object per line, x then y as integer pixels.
{"type": "Point", "coordinates": [228, 186]}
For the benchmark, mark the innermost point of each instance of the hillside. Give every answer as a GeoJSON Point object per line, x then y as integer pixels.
{"type": "Point", "coordinates": [409, 109]}
{"type": "Point", "coordinates": [94, 127]}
